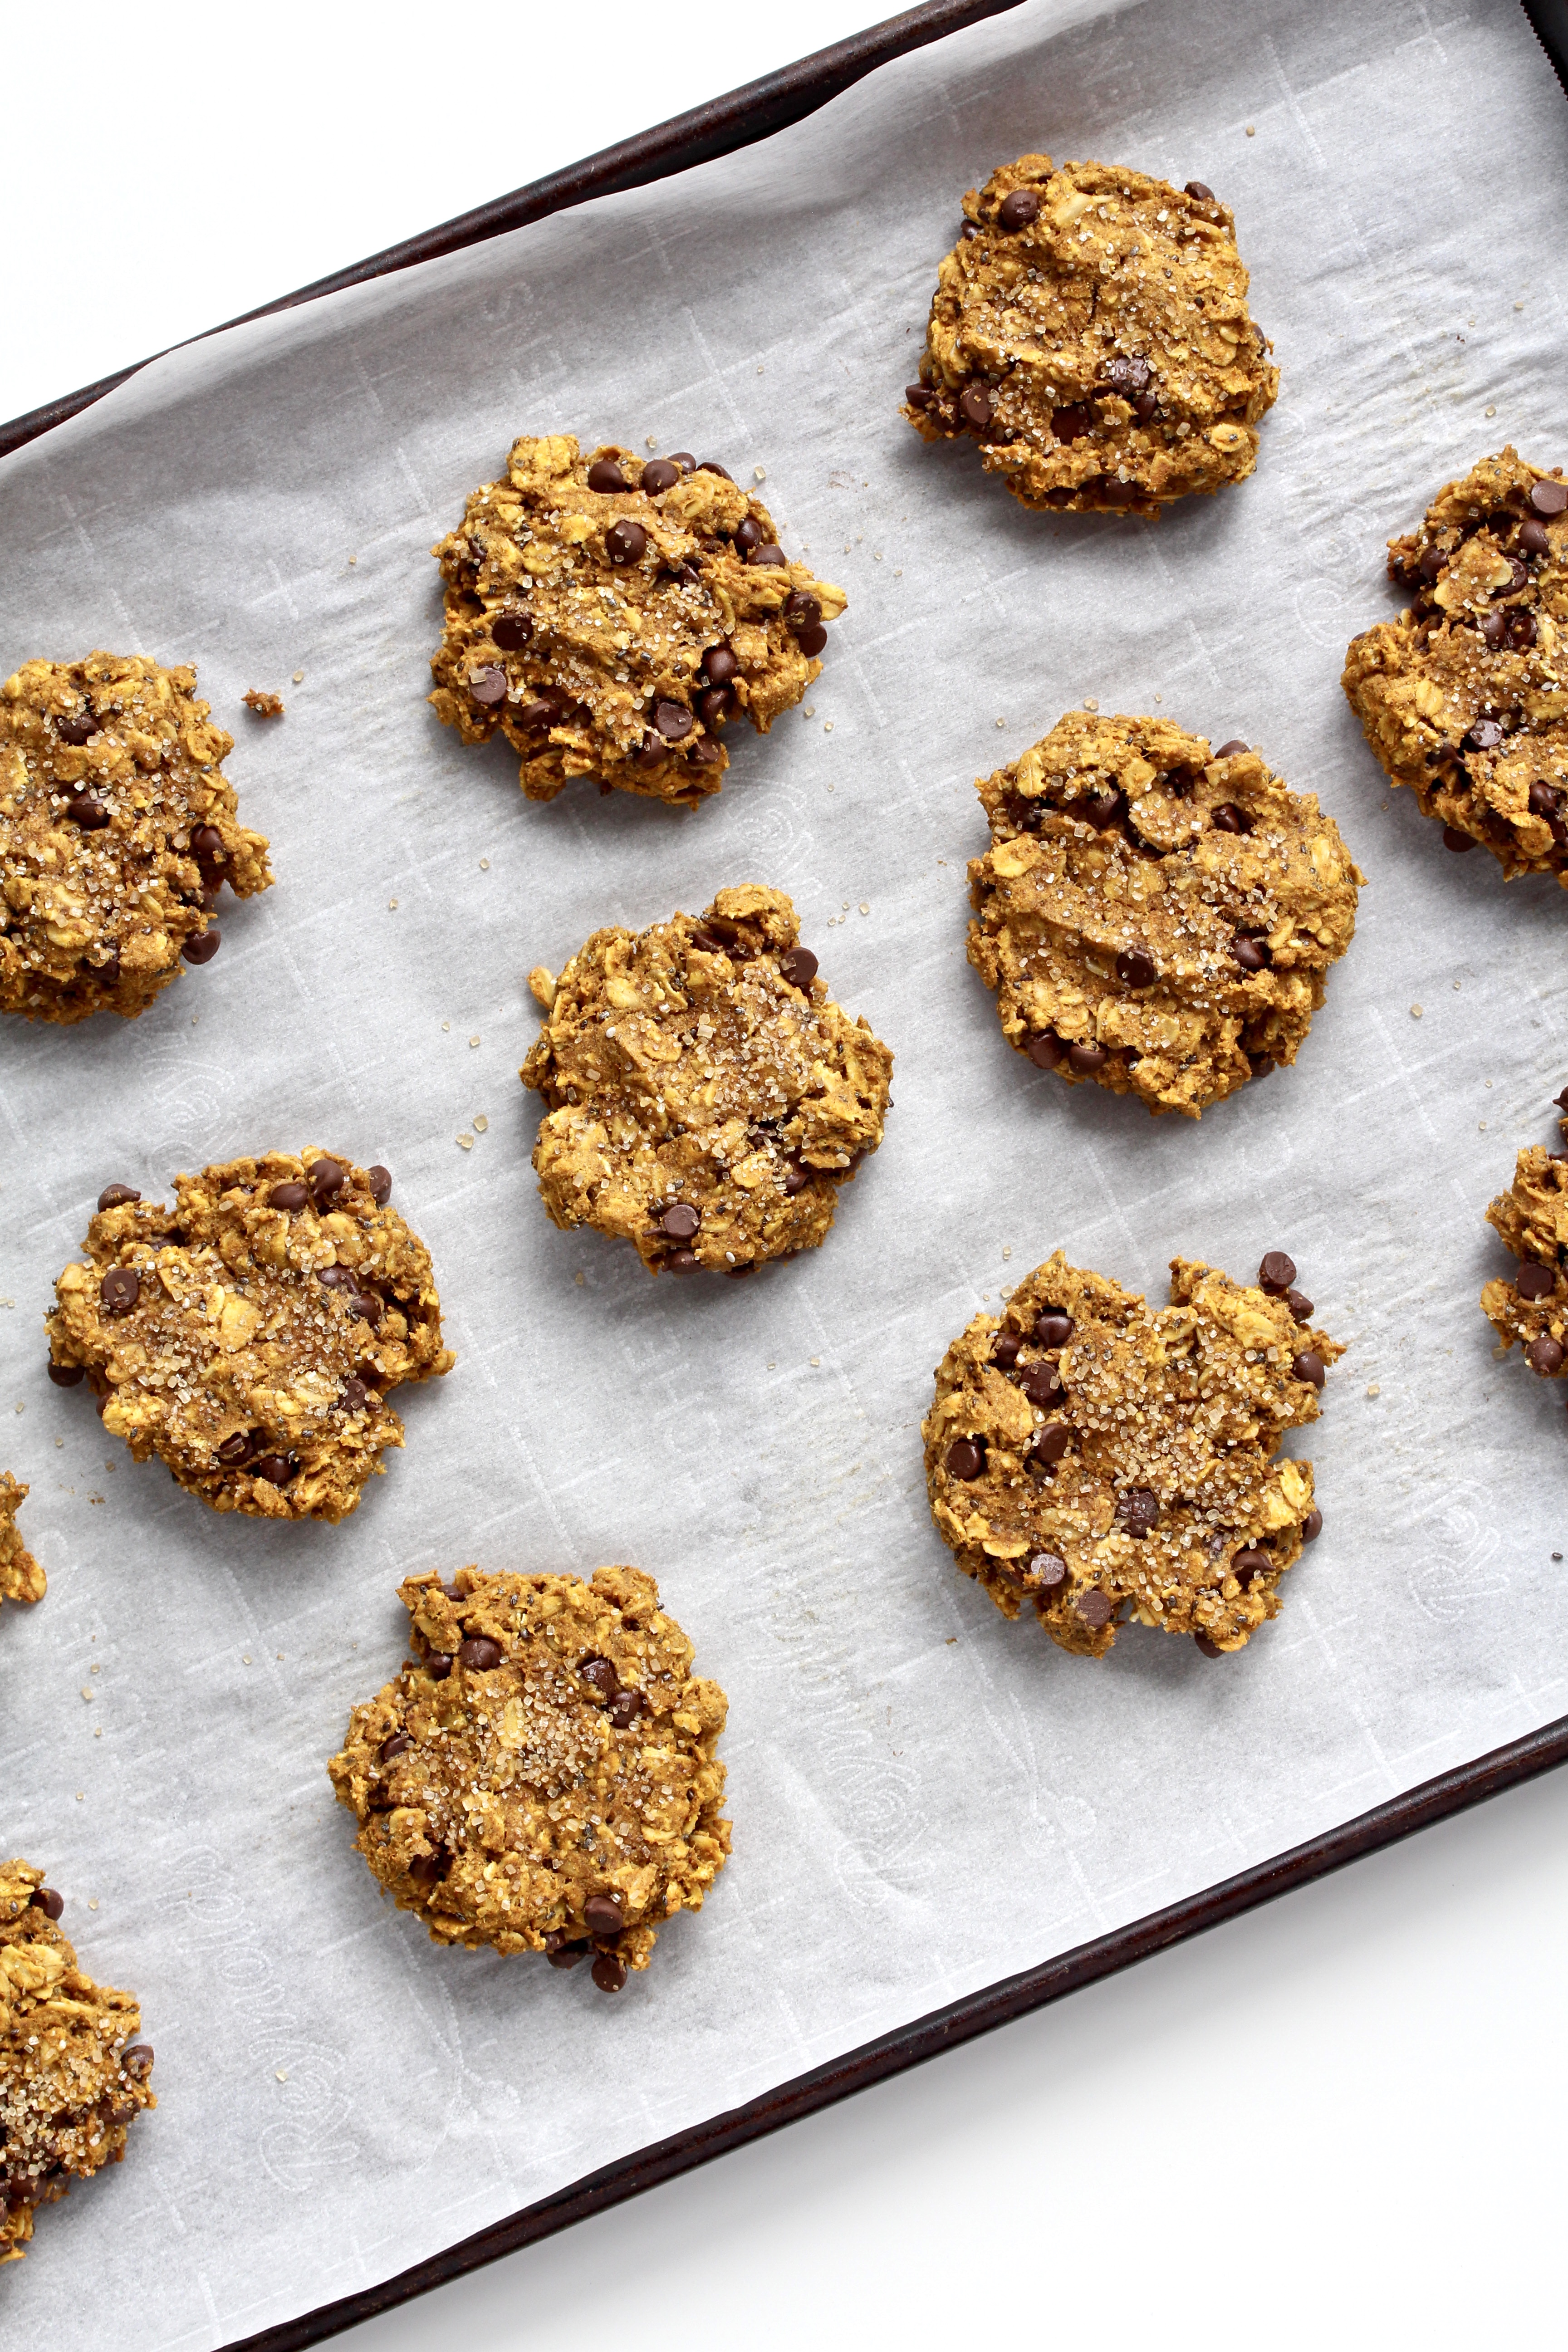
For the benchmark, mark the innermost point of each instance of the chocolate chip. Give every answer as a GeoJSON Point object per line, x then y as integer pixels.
{"type": "Point", "coordinates": [1044, 1568]}
{"type": "Point", "coordinates": [137, 2060]}
{"type": "Point", "coordinates": [276, 1468]}
{"type": "Point", "coordinates": [394, 1745]}
{"type": "Point", "coordinates": [1519, 626]}
{"type": "Point", "coordinates": [488, 685]}
{"type": "Point", "coordinates": [546, 710]}
{"type": "Point", "coordinates": [608, 1973]}
{"type": "Point", "coordinates": [673, 720]}
{"type": "Point", "coordinates": [628, 1705]}
{"type": "Point", "coordinates": [1534, 1281]}
{"type": "Point", "coordinates": [326, 1180]}
{"type": "Point", "coordinates": [658, 475]}
{"type": "Point", "coordinates": [1101, 810]}
{"type": "Point", "coordinates": [601, 1916]}
{"type": "Point", "coordinates": [438, 1665]}
{"type": "Point", "coordinates": [480, 1653]}
{"type": "Point", "coordinates": [801, 610]}
{"type": "Point", "coordinates": [705, 754]}
{"type": "Point", "coordinates": [811, 641]}
{"type": "Point", "coordinates": [709, 466]}
{"type": "Point", "coordinates": [429, 1869]}
{"type": "Point", "coordinates": [1252, 955]}
{"type": "Point", "coordinates": [1041, 1383]}
{"type": "Point", "coordinates": [798, 967]}
{"type": "Point", "coordinates": [1311, 1527]}
{"type": "Point", "coordinates": [1533, 537]}
{"type": "Point", "coordinates": [1017, 208]}
{"type": "Point", "coordinates": [46, 1900]}
{"type": "Point", "coordinates": [771, 553]}
{"type": "Point", "coordinates": [797, 1176]}
{"type": "Point", "coordinates": [1484, 736]}
{"type": "Point", "coordinates": [1136, 969]}
{"type": "Point", "coordinates": [379, 1179]}
{"type": "Point", "coordinates": [1261, 1064]}
{"type": "Point", "coordinates": [1300, 1305]}
{"type": "Point", "coordinates": [714, 707]}
{"type": "Point", "coordinates": [87, 811]}
{"type": "Point", "coordinates": [1138, 1510]}
{"type": "Point", "coordinates": [1309, 1366]}
{"type": "Point", "coordinates": [721, 665]}
{"type": "Point", "coordinates": [1229, 818]}
{"type": "Point", "coordinates": [204, 946]}
{"type": "Point", "coordinates": [120, 1289]}
{"type": "Point", "coordinates": [748, 534]}
{"type": "Point", "coordinates": [1127, 375]}
{"type": "Point", "coordinates": [1228, 751]}
{"type": "Point", "coordinates": [1275, 1274]}
{"type": "Point", "coordinates": [1071, 421]}
{"type": "Point", "coordinates": [1210, 1649]}
{"type": "Point", "coordinates": [511, 631]}
{"type": "Point", "coordinates": [1247, 1566]}
{"type": "Point", "coordinates": [559, 1953]}
{"type": "Point", "coordinates": [369, 1306]}
{"type": "Point", "coordinates": [600, 1675]}
{"type": "Point", "coordinates": [65, 1376]}
{"type": "Point", "coordinates": [354, 1396]}
{"type": "Point", "coordinates": [115, 1196]}
{"type": "Point", "coordinates": [77, 727]}
{"type": "Point", "coordinates": [1046, 1052]}
{"type": "Point", "coordinates": [966, 1458]}
{"type": "Point", "coordinates": [1093, 1607]}
{"type": "Point", "coordinates": [1053, 1328]}
{"type": "Point", "coordinates": [1544, 1355]}
{"type": "Point", "coordinates": [1053, 1443]}
{"type": "Point", "coordinates": [1455, 840]}
{"type": "Point", "coordinates": [1196, 188]}
{"type": "Point", "coordinates": [1004, 1350]}
{"type": "Point", "coordinates": [688, 463]}
{"type": "Point", "coordinates": [918, 395]}
{"type": "Point", "coordinates": [604, 475]}
{"type": "Point", "coordinates": [1542, 800]}
{"type": "Point", "coordinates": [680, 1221]}
{"type": "Point", "coordinates": [975, 406]}
{"type": "Point", "coordinates": [625, 541]}
{"type": "Point", "coordinates": [1087, 1057]}
{"type": "Point", "coordinates": [683, 1261]}
{"type": "Point", "coordinates": [336, 1277]}
{"type": "Point", "coordinates": [1548, 498]}
{"type": "Point", "coordinates": [968, 229]}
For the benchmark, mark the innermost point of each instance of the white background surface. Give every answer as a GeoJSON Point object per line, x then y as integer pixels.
{"type": "Point", "coordinates": [1338, 2116]}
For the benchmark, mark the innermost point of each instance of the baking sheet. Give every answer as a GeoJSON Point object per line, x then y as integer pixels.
{"type": "Point", "coordinates": [925, 1797]}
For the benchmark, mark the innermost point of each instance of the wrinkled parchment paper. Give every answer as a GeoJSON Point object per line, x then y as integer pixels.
{"type": "Point", "coordinates": [925, 1797]}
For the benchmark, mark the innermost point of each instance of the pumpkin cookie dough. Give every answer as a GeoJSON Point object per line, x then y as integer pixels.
{"type": "Point", "coordinates": [1154, 917]}
{"type": "Point", "coordinates": [1090, 329]}
{"type": "Point", "coordinates": [251, 1335]}
{"type": "Point", "coordinates": [118, 828]}
{"type": "Point", "coordinates": [706, 1095]}
{"type": "Point", "coordinates": [72, 2074]}
{"type": "Point", "coordinates": [21, 1578]}
{"type": "Point", "coordinates": [541, 1777]}
{"type": "Point", "coordinates": [1532, 1219]}
{"type": "Point", "coordinates": [1091, 1457]}
{"type": "Point", "coordinates": [1463, 697]}
{"type": "Point", "coordinates": [609, 614]}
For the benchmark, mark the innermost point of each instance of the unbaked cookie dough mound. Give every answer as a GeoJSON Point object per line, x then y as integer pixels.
{"type": "Point", "coordinates": [1090, 329]}
{"type": "Point", "coordinates": [706, 1097]}
{"type": "Point", "coordinates": [21, 1578]}
{"type": "Point", "coordinates": [541, 1777]}
{"type": "Point", "coordinates": [1463, 697]}
{"type": "Point", "coordinates": [610, 615]}
{"type": "Point", "coordinates": [251, 1335]}
{"type": "Point", "coordinates": [1532, 1219]}
{"type": "Point", "coordinates": [1094, 1457]}
{"type": "Point", "coordinates": [1154, 917]}
{"type": "Point", "coordinates": [118, 828]}
{"type": "Point", "coordinates": [73, 2076]}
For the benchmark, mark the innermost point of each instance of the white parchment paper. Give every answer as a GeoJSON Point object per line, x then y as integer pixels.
{"type": "Point", "coordinates": [925, 1797]}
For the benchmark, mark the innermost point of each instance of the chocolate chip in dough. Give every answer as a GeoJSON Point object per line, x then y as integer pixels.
{"type": "Point", "coordinates": [204, 946]}
{"type": "Point", "coordinates": [1017, 208]}
{"type": "Point", "coordinates": [115, 1196]}
{"type": "Point", "coordinates": [120, 1289]}
{"type": "Point", "coordinates": [1534, 1281]}
{"type": "Point", "coordinates": [625, 541]}
{"type": "Point", "coordinates": [480, 1653]}
{"type": "Point", "coordinates": [966, 1458]}
{"type": "Point", "coordinates": [1275, 1274]}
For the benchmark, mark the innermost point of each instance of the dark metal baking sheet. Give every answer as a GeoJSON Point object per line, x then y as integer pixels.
{"type": "Point", "coordinates": [718, 127]}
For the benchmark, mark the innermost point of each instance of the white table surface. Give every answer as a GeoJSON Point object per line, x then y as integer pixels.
{"type": "Point", "coordinates": [1337, 2119]}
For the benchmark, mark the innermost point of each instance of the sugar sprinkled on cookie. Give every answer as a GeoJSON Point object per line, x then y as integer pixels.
{"type": "Point", "coordinates": [1462, 697]}
{"type": "Point", "coordinates": [250, 1335]}
{"type": "Point", "coordinates": [72, 2074]}
{"type": "Point", "coordinates": [21, 1578]}
{"type": "Point", "coordinates": [611, 614]}
{"type": "Point", "coordinates": [541, 1777]}
{"type": "Point", "coordinates": [706, 1095]}
{"type": "Point", "coordinates": [118, 828]}
{"type": "Point", "coordinates": [1092, 1457]}
{"type": "Point", "coordinates": [1090, 331]}
{"type": "Point", "coordinates": [1154, 917]}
